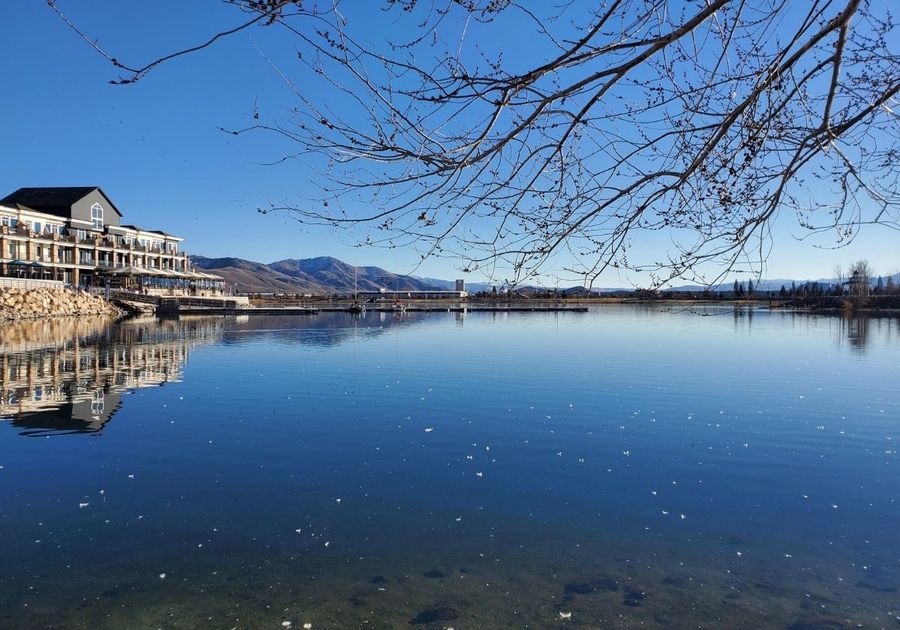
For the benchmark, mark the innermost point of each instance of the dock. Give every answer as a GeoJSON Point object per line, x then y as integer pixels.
{"type": "Point", "coordinates": [301, 310]}
{"type": "Point", "coordinates": [226, 305]}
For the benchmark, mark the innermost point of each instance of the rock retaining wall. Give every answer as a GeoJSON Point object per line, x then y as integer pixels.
{"type": "Point", "coordinates": [39, 303]}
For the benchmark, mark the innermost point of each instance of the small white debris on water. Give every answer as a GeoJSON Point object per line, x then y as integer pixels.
{"type": "Point", "coordinates": [565, 615]}
{"type": "Point", "coordinates": [338, 500]}
{"type": "Point", "coordinates": [285, 624]}
{"type": "Point", "coordinates": [429, 429]}
{"type": "Point", "coordinates": [682, 516]}
{"type": "Point", "coordinates": [298, 530]}
{"type": "Point", "coordinates": [131, 476]}
{"type": "Point", "coordinates": [83, 505]}
{"type": "Point", "coordinates": [162, 576]}
{"type": "Point", "coordinates": [307, 626]}
{"type": "Point", "coordinates": [479, 474]}
{"type": "Point", "coordinates": [327, 542]}
{"type": "Point", "coordinates": [739, 554]}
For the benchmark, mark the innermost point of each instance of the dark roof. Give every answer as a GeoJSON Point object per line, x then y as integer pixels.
{"type": "Point", "coordinates": [140, 229]}
{"type": "Point", "coordinates": [57, 200]}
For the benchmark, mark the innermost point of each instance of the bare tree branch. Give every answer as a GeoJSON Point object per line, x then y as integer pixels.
{"type": "Point", "coordinates": [703, 120]}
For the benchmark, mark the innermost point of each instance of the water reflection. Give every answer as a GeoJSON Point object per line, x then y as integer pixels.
{"type": "Point", "coordinates": [68, 376]}
{"type": "Point", "coordinates": [633, 467]}
{"type": "Point", "coordinates": [324, 330]}
{"type": "Point", "coordinates": [856, 329]}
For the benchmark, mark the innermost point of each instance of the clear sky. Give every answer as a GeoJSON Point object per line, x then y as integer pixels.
{"type": "Point", "coordinates": [156, 149]}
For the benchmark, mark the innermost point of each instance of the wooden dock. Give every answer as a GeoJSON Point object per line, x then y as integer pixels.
{"type": "Point", "coordinates": [302, 310]}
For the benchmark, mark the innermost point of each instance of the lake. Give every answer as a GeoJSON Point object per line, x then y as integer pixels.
{"type": "Point", "coordinates": [626, 467]}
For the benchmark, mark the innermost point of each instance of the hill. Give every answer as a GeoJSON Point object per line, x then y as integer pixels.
{"type": "Point", "coordinates": [321, 275]}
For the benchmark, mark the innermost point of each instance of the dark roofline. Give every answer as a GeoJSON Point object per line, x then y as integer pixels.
{"type": "Point", "coordinates": [81, 191]}
{"type": "Point", "coordinates": [145, 230]}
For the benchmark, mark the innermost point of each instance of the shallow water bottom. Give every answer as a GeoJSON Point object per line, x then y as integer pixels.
{"type": "Point", "coordinates": [530, 586]}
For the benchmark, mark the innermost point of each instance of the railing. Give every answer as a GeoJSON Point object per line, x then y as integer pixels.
{"type": "Point", "coordinates": [30, 283]}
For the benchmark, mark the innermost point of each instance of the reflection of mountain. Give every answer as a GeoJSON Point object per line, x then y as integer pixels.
{"type": "Point", "coordinates": [66, 376]}
{"type": "Point", "coordinates": [323, 330]}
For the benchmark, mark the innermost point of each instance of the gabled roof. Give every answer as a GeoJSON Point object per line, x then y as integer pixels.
{"type": "Point", "coordinates": [55, 200]}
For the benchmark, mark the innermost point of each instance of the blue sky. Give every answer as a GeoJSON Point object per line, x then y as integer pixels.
{"type": "Point", "coordinates": [156, 149]}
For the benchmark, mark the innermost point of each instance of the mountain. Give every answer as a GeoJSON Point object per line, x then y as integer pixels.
{"type": "Point", "coordinates": [324, 275]}
{"type": "Point", "coordinates": [320, 275]}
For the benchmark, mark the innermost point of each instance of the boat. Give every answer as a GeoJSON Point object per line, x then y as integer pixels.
{"type": "Point", "coordinates": [356, 306]}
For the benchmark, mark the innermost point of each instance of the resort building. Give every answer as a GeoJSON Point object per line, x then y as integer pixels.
{"type": "Point", "coordinates": [75, 236]}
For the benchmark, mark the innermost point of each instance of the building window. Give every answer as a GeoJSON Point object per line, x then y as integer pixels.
{"type": "Point", "coordinates": [97, 403]}
{"type": "Point", "coordinates": [81, 235]}
{"type": "Point", "coordinates": [97, 216]}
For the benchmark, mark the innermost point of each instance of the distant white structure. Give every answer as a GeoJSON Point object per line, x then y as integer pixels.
{"type": "Point", "coordinates": [410, 294]}
{"type": "Point", "coordinates": [461, 285]}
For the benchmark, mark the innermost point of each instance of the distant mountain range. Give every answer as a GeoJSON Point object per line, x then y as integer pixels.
{"type": "Point", "coordinates": [324, 275]}
{"type": "Point", "coordinates": [320, 275]}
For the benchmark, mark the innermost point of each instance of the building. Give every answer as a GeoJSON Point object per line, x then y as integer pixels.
{"type": "Point", "coordinates": [460, 285]}
{"type": "Point", "coordinates": [75, 236]}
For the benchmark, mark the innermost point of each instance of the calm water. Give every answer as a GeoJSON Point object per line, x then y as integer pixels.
{"type": "Point", "coordinates": [630, 467]}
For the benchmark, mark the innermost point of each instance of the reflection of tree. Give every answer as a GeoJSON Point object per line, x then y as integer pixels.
{"type": "Point", "coordinates": [66, 376]}
{"type": "Point", "coordinates": [743, 313]}
{"type": "Point", "coordinates": [857, 331]}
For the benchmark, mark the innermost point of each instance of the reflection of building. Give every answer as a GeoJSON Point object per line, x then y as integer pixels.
{"type": "Point", "coordinates": [74, 235]}
{"type": "Point", "coordinates": [75, 384]}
